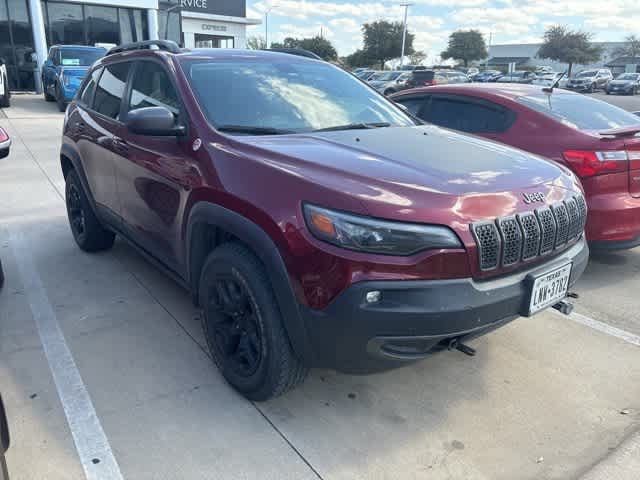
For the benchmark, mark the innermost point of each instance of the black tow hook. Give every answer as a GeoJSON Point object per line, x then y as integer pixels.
{"type": "Point", "coordinates": [454, 344]}
{"type": "Point", "coordinates": [564, 307]}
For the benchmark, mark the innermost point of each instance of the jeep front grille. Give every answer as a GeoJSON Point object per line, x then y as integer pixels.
{"type": "Point", "coordinates": [526, 236]}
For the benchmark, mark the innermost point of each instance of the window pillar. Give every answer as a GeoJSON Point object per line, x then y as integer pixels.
{"type": "Point", "coordinates": [39, 40]}
{"type": "Point", "coordinates": [152, 21]}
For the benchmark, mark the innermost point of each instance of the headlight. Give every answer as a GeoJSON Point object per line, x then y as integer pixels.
{"type": "Point", "coordinates": [66, 80]}
{"type": "Point", "coordinates": [373, 235]}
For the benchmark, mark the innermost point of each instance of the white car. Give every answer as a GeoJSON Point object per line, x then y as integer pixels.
{"type": "Point", "coordinates": [5, 92]}
{"type": "Point", "coordinates": [548, 79]}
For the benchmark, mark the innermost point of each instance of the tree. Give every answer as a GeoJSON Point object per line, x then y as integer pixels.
{"type": "Point", "coordinates": [417, 57]}
{"type": "Point", "coordinates": [465, 45]}
{"type": "Point", "coordinates": [359, 59]}
{"type": "Point", "coordinates": [631, 49]}
{"type": "Point", "coordinates": [318, 45]}
{"type": "Point", "coordinates": [256, 43]}
{"type": "Point", "coordinates": [382, 41]}
{"type": "Point", "coordinates": [569, 46]}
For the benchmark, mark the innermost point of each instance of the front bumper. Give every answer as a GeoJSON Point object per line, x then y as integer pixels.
{"type": "Point", "coordinates": [580, 87]}
{"type": "Point", "coordinates": [417, 318]}
{"type": "Point", "coordinates": [625, 90]}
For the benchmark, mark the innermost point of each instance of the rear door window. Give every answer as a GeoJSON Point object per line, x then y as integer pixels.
{"type": "Point", "coordinates": [108, 95]}
{"type": "Point", "coordinates": [90, 88]}
{"type": "Point", "coordinates": [580, 111]}
{"type": "Point", "coordinates": [467, 114]}
{"type": "Point", "coordinates": [413, 104]}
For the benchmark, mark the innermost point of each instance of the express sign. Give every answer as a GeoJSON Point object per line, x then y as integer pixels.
{"type": "Point", "coordinates": [232, 8]}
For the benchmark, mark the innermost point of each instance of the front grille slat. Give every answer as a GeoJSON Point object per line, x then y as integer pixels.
{"type": "Point", "coordinates": [562, 222]}
{"type": "Point", "coordinates": [488, 242]}
{"type": "Point", "coordinates": [529, 235]}
{"type": "Point", "coordinates": [548, 232]}
{"type": "Point", "coordinates": [531, 229]}
{"type": "Point", "coordinates": [574, 218]}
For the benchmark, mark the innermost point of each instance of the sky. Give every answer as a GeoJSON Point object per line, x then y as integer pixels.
{"type": "Point", "coordinates": [508, 21]}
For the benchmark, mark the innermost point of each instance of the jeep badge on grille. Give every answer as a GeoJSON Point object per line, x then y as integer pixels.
{"type": "Point", "coordinates": [533, 197]}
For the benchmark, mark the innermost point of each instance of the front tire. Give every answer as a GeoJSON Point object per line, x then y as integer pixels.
{"type": "Point", "coordinates": [592, 88]}
{"type": "Point", "coordinates": [87, 231]}
{"type": "Point", "coordinates": [243, 325]}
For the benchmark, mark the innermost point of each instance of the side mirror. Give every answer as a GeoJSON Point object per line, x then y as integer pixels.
{"type": "Point", "coordinates": [5, 143]}
{"type": "Point", "coordinates": [157, 121]}
{"type": "Point", "coordinates": [48, 63]}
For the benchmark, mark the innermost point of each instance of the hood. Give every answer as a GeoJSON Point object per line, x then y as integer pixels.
{"type": "Point", "coordinates": [621, 82]}
{"type": "Point", "coordinates": [398, 171]}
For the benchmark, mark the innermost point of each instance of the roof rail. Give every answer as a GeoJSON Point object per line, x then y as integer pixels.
{"type": "Point", "coordinates": [166, 45]}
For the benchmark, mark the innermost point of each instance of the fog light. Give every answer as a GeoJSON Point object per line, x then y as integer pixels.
{"type": "Point", "coordinates": [373, 296]}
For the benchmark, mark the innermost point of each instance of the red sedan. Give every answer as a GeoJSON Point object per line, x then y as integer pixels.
{"type": "Point", "coordinates": [599, 142]}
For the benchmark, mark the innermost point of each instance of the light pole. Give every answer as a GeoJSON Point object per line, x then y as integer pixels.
{"type": "Point", "coordinates": [404, 31]}
{"type": "Point", "coordinates": [266, 24]}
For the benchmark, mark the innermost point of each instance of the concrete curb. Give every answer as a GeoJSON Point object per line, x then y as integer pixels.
{"type": "Point", "coordinates": [621, 464]}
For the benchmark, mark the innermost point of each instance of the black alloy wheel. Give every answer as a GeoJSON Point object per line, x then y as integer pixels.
{"type": "Point", "coordinates": [233, 326]}
{"type": "Point", "coordinates": [87, 230]}
{"type": "Point", "coordinates": [75, 211]}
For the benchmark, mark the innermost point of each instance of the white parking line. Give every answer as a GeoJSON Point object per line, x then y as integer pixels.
{"type": "Point", "coordinates": [603, 327]}
{"type": "Point", "coordinates": [91, 442]}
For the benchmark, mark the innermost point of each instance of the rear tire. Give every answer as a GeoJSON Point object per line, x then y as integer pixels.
{"type": "Point", "coordinates": [47, 96]}
{"type": "Point", "coordinates": [243, 325]}
{"type": "Point", "coordinates": [87, 231]}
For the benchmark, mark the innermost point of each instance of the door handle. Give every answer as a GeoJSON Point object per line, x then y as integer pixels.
{"type": "Point", "coordinates": [120, 145]}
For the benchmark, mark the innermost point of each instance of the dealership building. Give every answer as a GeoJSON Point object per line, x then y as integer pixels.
{"type": "Point", "coordinates": [29, 27]}
{"type": "Point", "coordinates": [525, 56]}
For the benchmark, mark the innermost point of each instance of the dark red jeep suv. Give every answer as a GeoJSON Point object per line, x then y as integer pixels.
{"type": "Point", "coordinates": [315, 223]}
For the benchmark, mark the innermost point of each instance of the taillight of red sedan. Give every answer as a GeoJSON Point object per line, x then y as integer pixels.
{"type": "Point", "coordinates": [589, 164]}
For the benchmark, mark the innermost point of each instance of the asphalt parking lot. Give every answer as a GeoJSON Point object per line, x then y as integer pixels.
{"type": "Point", "coordinates": [548, 397]}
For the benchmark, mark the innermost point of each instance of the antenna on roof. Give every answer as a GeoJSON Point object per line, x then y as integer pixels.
{"type": "Point", "coordinates": [555, 84]}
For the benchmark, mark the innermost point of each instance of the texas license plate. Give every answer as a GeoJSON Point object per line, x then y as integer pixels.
{"type": "Point", "coordinates": [549, 288]}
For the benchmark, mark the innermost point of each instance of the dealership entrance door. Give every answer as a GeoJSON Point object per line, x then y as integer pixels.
{"type": "Point", "coordinates": [16, 44]}
{"type": "Point", "coordinates": [212, 41]}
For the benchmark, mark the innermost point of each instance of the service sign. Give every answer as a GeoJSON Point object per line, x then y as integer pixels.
{"type": "Point", "coordinates": [230, 8]}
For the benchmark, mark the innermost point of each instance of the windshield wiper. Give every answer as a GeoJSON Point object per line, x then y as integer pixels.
{"type": "Point", "coordinates": [249, 130]}
{"type": "Point", "coordinates": [354, 126]}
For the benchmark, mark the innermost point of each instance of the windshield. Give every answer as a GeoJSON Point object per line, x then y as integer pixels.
{"type": "Point", "coordinates": [388, 76]}
{"type": "Point", "coordinates": [80, 57]}
{"type": "Point", "coordinates": [629, 76]}
{"type": "Point", "coordinates": [290, 97]}
{"type": "Point", "coordinates": [586, 74]}
{"type": "Point", "coordinates": [580, 112]}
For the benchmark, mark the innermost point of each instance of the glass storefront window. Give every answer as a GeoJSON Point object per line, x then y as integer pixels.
{"type": "Point", "coordinates": [102, 25]}
{"type": "Point", "coordinates": [82, 24]}
{"type": "Point", "coordinates": [169, 22]}
{"type": "Point", "coordinates": [133, 25]}
{"type": "Point", "coordinates": [66, 24]}
{"type": "Point", "coordinates": [212, 41]}
{"type": "Point", "coordinates": [16, 44]}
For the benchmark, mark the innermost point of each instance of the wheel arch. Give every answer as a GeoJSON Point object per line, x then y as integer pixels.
{"type": "Point", "coordinates": [70, 160]}
{"type": "Point", "coordinates": [207, 220]}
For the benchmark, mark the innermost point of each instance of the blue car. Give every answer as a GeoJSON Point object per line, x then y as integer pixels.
{"type": "Point", "coordinates": [64, 70]}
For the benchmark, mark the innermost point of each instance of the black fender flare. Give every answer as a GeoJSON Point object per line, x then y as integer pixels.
{"type": "Point", "coordinates": [267, 251]}
{"type": "Point", "coordinates": [70, 153]}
